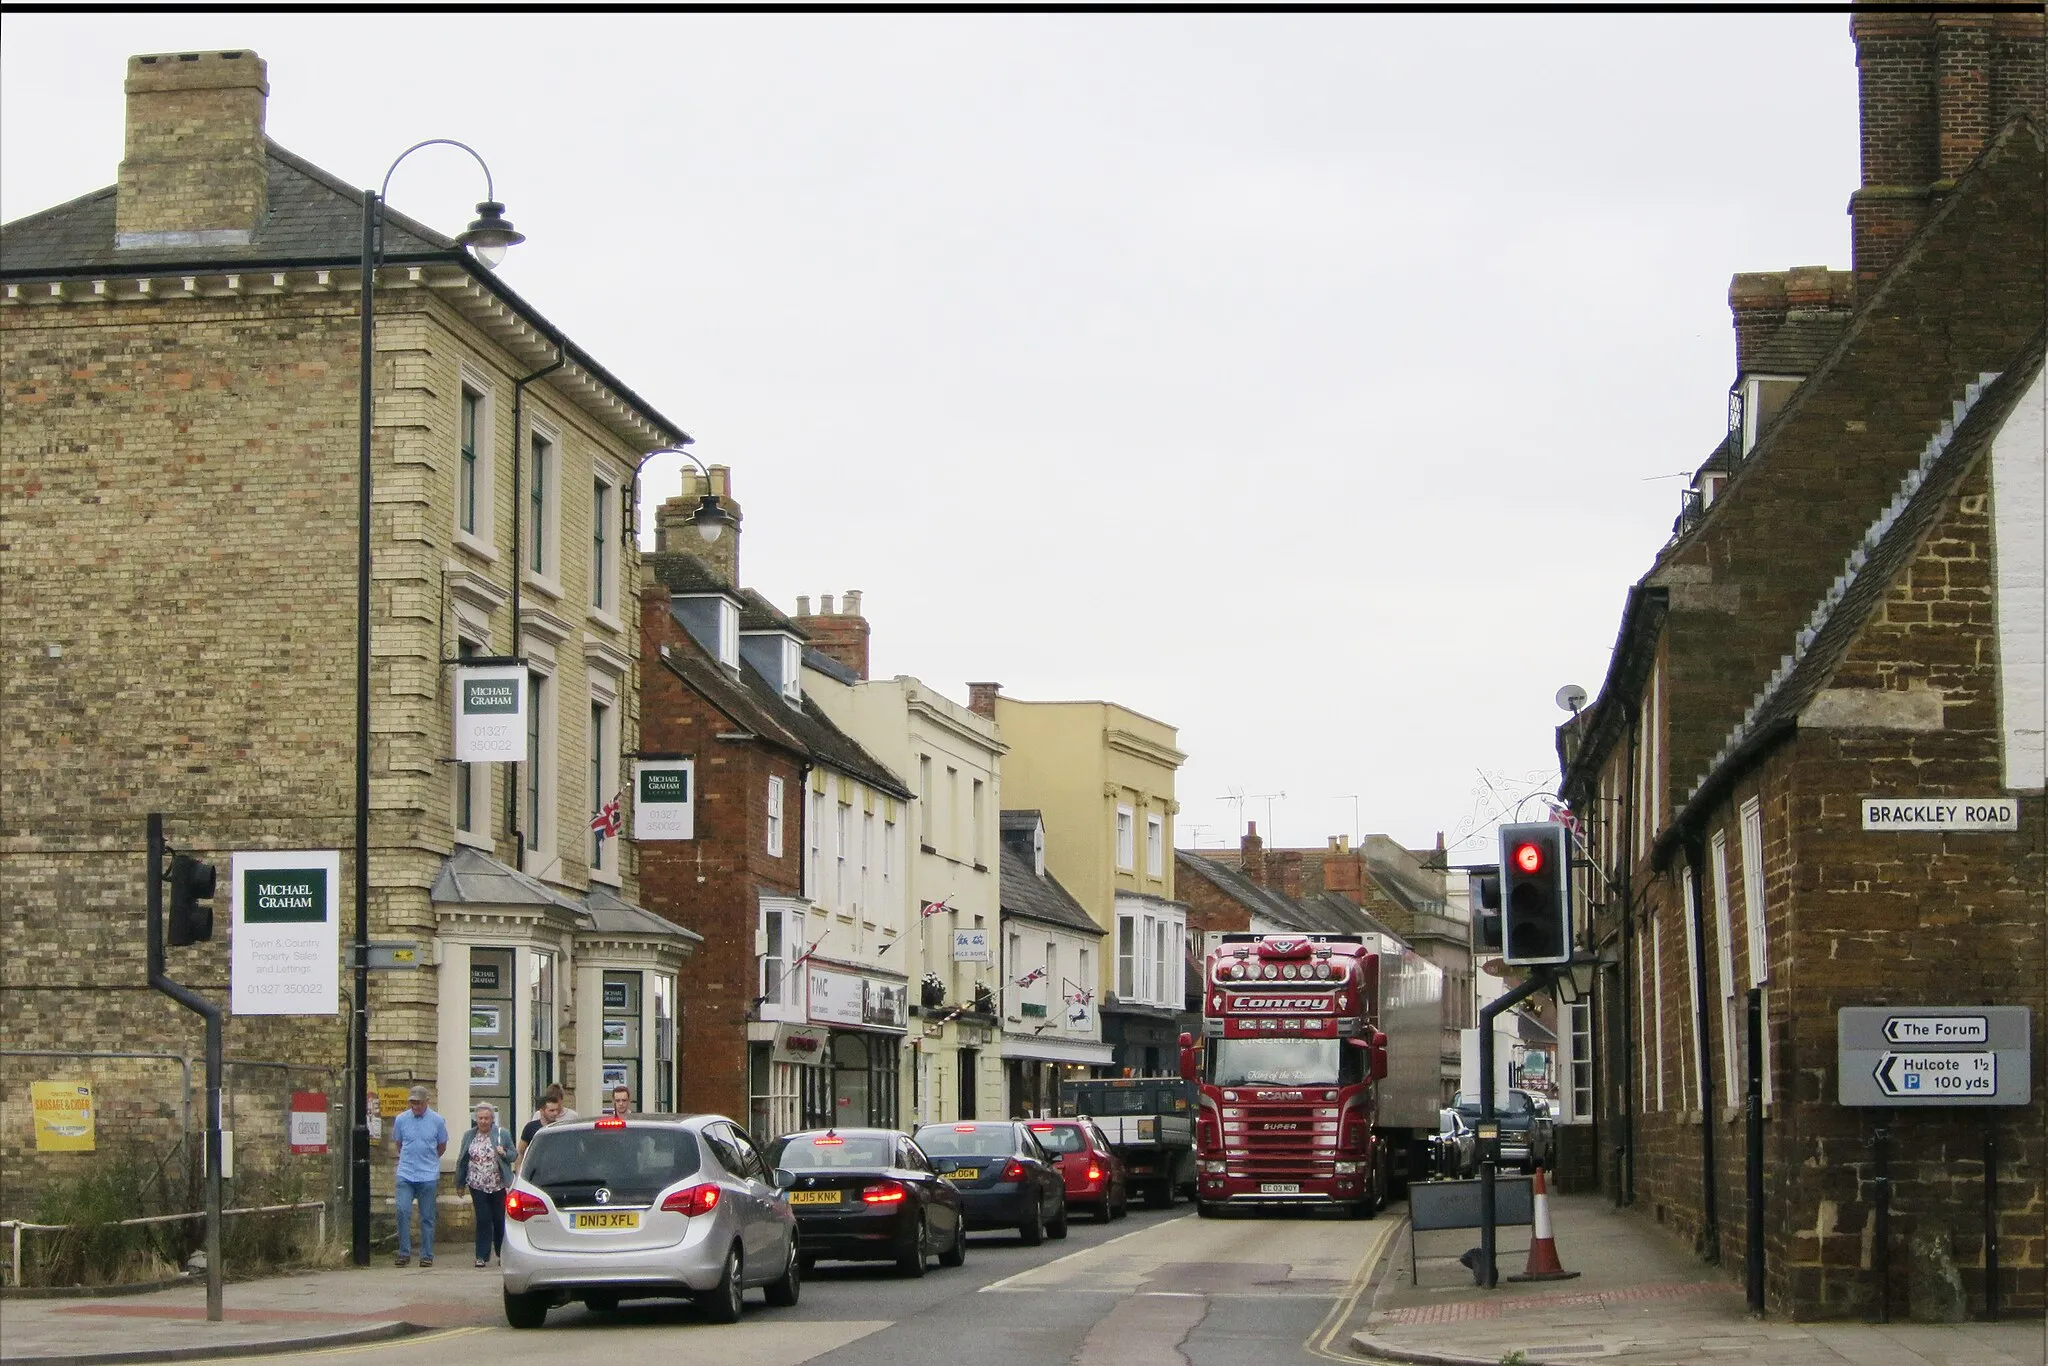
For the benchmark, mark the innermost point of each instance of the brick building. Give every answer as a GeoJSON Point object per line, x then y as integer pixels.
{"type": "Point", "coordinates": [793, 869]}
{"type": "Point", "coordinates": [177, 560]}
{"type": "Point", "coordinates": [1850, 609]}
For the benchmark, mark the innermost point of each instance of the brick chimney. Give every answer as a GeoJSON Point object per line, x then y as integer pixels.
{"type": "Point", "coordinates": [1934, 88]}
{"type": "Point", "coordinates": [981, 698]}
{"type": "Point", "coordinates": [1286, 867]}
{"type": "Point", "coordinates": [195, 169]}
{"type": "Point", "coordinates": [674, 532]}
{"type": "Point", "coordinates": [1763, 301]}
{"type": "Point", "coordinates": [1344, 870]}
{"type": "Point", "coordinates": [843, 635]}
{"type": "Point", "coordinates": [1251, 853]}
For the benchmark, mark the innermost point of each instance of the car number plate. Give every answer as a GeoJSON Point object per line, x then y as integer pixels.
{"type": "Point", "coordinates": [610, 1218]}
{"type": "Point", "coordinates": [964, 1174]}
{"type": "Point", "coordinates": [814, 1197]}
{"type": "Point", "coordinates": [1279, 1188]}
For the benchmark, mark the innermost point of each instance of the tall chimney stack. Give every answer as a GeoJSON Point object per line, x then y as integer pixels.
{"type": "Point", "coordinates": [195, 167]}
{"type": "Point", "coordinates": [981, 698]}
{"type": "Point", "coordinates": [1251, 853]}
{"type": "Point", "coordinates": [674, 533]}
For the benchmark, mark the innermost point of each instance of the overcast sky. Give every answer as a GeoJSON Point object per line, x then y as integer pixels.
{"type": "Point", "coordinates": [1309, 382]}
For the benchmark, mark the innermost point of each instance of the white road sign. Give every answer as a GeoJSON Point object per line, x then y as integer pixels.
{"type": "Point", "coordinates": [490, 713]}
{"type": "Point", "coordinates": [285, 957]}
{"type": "Point", "coordinates": [1937, 1029]}
{"type": "Point", "coordinates": [1920, 1075]}
{"type": "Point", "coordinates": [1941, 813]}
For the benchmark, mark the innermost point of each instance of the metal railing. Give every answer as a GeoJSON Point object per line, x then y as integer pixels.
{"type": "Point", "coordinates": [17, 1227]}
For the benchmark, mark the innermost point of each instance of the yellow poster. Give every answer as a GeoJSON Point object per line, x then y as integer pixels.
{"type": "Point", "coordinates": [63, 1115]}
{"type": "Point", "coordinates": [392, 1100]}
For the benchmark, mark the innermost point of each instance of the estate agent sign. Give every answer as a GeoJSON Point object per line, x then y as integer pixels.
{"type": "Point", "coordinates": [490, 714]}
{"type": "Point", "coordinates": [664, 797]}
{"type": "Point", "coordinates": [286, 958]}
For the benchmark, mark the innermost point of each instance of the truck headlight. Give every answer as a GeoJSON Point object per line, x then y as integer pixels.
{"type": "Point", "coordinates": [1348, 1168]}
{"type": "Point", "coordinates": [1214, 1168]}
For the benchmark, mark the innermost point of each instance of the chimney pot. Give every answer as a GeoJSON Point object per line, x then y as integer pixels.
{"type": "Point", "coordinates": [825, 605]}
{"type": "Point", "coordinates": [803, 604]}
{"type": "Point", "coordinates": [853, 602]}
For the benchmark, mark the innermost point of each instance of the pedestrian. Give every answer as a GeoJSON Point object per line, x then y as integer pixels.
{"type": "Point", "coordinates": [483, 1167]}
{"type": "Point", "coordinates": [622, 1101]}
{"type": "Point", "coordinates": [550, 1112]}
{"type": "Point", "coordinates": [421, 1136]}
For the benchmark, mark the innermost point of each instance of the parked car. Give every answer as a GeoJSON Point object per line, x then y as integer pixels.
{"type": "Point", "coordinates": [618, 1208]}
{"type": "Point", "coordinates": [1094, 1174]}
{"type": "Point", "coordinates": [867, 1195]}
{"type": "Point", "coordinates": [1525, 1131]}
{"type": "Point", "coordinates": [1005, 1177]}
{"type": "Point", "coordinates": [1456, 1146]}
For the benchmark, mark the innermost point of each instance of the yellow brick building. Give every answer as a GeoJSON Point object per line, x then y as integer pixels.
{"type": "Point", "coordinates": [177, 617]}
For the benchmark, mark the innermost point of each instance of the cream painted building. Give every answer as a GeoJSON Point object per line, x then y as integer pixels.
{"type": "Point", "coordinates": [1102, 775]}
{"type": "Point", "coordinates": [950, 905]}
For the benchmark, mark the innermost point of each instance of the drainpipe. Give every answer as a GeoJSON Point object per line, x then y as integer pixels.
{"type": "Point", "coordinates": [519, 573]}
{"type": "Point", "coordinates": [1710, 1210]}
{"type": "Point", "coordinates": [1627, 1190]}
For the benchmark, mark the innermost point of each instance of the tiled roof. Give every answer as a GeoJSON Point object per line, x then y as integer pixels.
{"type": "Point", "coordinates": [1887, 546]}
{"type": "Point", "coordinates": [611, 913]}
{"type": "Point", "coordinates": [828, 666]}
{"type": "Point", "coordinates": [470, 877]}
{"type": "Point", "coordinates": [1241, 889]}
{"type": "Point", "coordinates": [688, 575]}
{"type": "Point", "coordinates": [759, 614]}
{"type": "Point", "coordinates": [1041, 898]}
{"type": "Point", "coordinates": [313, 218]}
{"type": "Point", "coordinates": [1798, 344]}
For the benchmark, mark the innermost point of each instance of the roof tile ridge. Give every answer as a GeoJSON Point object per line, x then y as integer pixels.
{"type": "Point", "coordinates": [354, 194]}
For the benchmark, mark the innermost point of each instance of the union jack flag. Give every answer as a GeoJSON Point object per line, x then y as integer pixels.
{"type": "Point", "coordinates": [1028, 978]}
{"type": "Point", "coordinates": [606, 822]}
{"type": "Point", "coordinates": [926, 910]}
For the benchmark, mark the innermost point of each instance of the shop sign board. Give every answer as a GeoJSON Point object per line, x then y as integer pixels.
{"type": "Point", "coordinates": [804, 1044]}
{"type": "Point", "coordinates": [490, 714]}
{"type": "Point", "coordinates": [309, 1122]}
{"type": "Point", "coordinates": [835, 997]}
{"type": "Point", "coordinates": [970, 946]}
{"type": "Point", "coordinates": [664, 797]}
{"type": "Point", "coordinates": [64, 1116]}
{"type": "Point", "coordinates": [286, 954]}
{"type": "Point", "coordinates": [1918, 1056]}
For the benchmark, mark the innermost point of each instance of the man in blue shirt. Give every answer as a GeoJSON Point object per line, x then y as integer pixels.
{"type": "Point", "coordinates": [420, 1136]}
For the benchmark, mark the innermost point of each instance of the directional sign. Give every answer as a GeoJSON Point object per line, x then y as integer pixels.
{"type": "Point", "coordinates": [1917, 1075]}
{"type": "Point", "coordinates": [1913, 1056]}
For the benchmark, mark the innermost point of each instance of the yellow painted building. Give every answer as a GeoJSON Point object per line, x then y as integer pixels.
{"type": "Point", "coordinates": [1102, 776]}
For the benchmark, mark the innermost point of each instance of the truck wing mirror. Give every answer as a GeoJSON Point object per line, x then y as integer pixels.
{"type": "Point", "coordinates": [1190, 1066]}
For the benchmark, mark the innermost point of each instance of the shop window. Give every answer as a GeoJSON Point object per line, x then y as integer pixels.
{"type": "Point", "coordinates": [620, 1044]}
{"type": "Point", "coordinates": [540, 980]}
{"type": "Point", "coordinates": [663, 988]}
{"type": "Point", "coordinates": [492, 1042]}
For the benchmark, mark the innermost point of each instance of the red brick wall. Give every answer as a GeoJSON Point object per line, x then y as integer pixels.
{"type": "Point", "coordinates": [710, 884]}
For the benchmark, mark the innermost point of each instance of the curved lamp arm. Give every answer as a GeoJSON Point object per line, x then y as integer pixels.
{"type": "Point", "coordinates": [487, 237]}
{"type": "Point", "coordinates": [711, 519]}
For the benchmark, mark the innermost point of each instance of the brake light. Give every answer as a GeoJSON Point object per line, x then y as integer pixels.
{"type": "Point", "coordinates": [611, 1122]}
{"type": "Point", "coordinates": [1094, 1173]}
{"type": "Point", "coordinates": [829, 1141]}
{"type": "Point", "coordinates": [519, 1206]}
{"type": "Point", "coordinates": [1014, 1172]}
{"type": "Point", "coordinates": [700, 1199]}
{"type": "Point", "coordinates": [888, 1193]}
{"type": "Point", "coordinates": [1041, 1128]}
{"type": "Point", "coordinates": [963, 1128]}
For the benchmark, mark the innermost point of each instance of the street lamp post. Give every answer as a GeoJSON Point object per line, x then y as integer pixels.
{"type": "Point", "coordinates": [486, 238]}
{"type": "Point", "coordinates": [710, 517]}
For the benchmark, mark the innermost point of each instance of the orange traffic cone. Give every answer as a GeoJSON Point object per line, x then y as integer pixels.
{"type": "Point", "coordinates": [1543, 1263]}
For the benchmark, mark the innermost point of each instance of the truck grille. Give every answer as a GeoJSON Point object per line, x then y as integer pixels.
{"type": "Point", "coordinates": [1280, 1140]}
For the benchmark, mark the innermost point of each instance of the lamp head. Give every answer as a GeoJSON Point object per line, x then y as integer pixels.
{"type": "Point", "coordinates": [491, 233]}
{"type": "Point", "coordinates": [711, 519]}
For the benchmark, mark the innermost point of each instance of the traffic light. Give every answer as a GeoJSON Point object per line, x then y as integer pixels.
{"type": "Point", "coordinates": [191, 896]}
{"type": "Point", "coordinates": [1535, 893]}
{"type": "Point", "coordinates": [1484, 889]}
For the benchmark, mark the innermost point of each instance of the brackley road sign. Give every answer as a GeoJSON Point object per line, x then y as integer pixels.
{"type": "Point", "coordinates": [1951, 1055]}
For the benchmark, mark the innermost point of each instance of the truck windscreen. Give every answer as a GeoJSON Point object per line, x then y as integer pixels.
{"type": "Point", "coordinates": [1285, 1062]}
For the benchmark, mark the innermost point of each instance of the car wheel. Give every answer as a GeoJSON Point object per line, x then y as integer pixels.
{"type": "Point", "coordinates": [1033, 1228]}
{"type": "Point", "coordinates": [1123, 1206]}
{"type": "Point", "coordinates": [529, 1310]}
{"type": "Point", "coordinates": [601, 1301]}
{"type": "Point", "coordinates": [912, 1262]}
{"type": "Point", "coordinates": [783, 1291]}
{"type": "Point", "coordinates": [722, 1303]}
{"type": "Point", "coordinates": [1058, 1227]}
{"type": "Point", "coordinates": [956, 1254]}
{"type": "Point", "coordinates": [1103, 1212]}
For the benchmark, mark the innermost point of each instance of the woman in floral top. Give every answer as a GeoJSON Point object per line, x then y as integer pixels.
{"type": "Point", "coordinates": [483, 1167]}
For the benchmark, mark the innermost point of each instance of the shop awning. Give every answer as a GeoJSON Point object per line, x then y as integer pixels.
{"type": "Point", "coordinates": [1038, 1049]}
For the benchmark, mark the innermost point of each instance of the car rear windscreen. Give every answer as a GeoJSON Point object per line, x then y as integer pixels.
{"type": "Point", "coordinates": [806, 1152]}
{"type": "Point", "coordinates": [633, 1164]}
{"type": "Point", "coordinates": [982, 1140]}
{"type": "Point", "coordinates": [1059, 1138]}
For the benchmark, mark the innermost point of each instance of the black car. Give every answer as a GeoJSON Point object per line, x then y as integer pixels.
{"type": "Point", "coordinates": [1005, 1178]}
{"type": "Point", "coordinates": [869, 1195]}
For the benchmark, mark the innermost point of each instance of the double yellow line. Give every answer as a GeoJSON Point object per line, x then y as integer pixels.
{"type": "Point", "coordinates": [1322, 1342]}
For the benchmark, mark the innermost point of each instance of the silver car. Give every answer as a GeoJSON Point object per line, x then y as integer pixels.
{"type": "Point", "coordinates": [649, 1205]}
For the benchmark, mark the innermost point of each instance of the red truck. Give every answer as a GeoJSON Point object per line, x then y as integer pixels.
{"type": "Point", "coordinates": [1319, 1070]}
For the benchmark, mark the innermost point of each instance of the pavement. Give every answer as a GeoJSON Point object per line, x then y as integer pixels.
{"type": "Point", "coordinates": [1639, 1297]}
{"type": "Point", "coordinates": [314, 1309]}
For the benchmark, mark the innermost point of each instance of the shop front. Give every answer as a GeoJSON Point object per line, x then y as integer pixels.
{"type": "Point", "coordinates": [1034, 1067]}
{"type": "Point", "coordinates": [866, 1014]}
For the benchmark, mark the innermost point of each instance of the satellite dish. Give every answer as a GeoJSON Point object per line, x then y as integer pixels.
{"type": "Point", "coordinates": [1571, 697]}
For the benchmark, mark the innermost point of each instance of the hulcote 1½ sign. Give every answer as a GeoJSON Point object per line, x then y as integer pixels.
{"type": "Point", "coordinates": [1916, 1056]}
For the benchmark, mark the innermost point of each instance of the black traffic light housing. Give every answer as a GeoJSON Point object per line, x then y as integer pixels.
{"type": "Point", "coordinates": [191, 900]}
{"type": "Point", "coordinates": [1484, 889]}
{"type": "Point", "coordinates": [1535, 893]}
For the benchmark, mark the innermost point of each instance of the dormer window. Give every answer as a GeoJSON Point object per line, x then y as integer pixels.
{"type": "Point", "coordinates": [1762, 397]}
{"type": "Point", "coordinates": [713, 621]}
{"type": "Point", "coordinates": [792, 670]}
{"type": "Point", "coordinates": [778, 657]}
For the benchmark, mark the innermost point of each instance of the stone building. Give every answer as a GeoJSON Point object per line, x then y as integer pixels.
{"type": "Point", "coordinates": [1849, 612]}
{"type": "Point", "coordinates": [1101, 777]}
{"type": "Point", "coordinates": [793, 869]}
{"type": "Point", "coordinates": [177, 574]}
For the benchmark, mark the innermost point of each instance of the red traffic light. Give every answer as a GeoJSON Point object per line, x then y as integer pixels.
{"type": "Point", "coordinates": [1527, 858]}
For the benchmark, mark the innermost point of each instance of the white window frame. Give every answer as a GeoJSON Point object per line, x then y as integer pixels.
{"type": "Point", "coordinates": [479, 778]}
{"type": "Point", "coordinates": [543, 530]}
{"type": "Point", "coordinates": [976, 817]}
{"type": "Point", "coordinates": [1126, 956]}
{"type": "Point", "coordinates": [1126, 840]}
{"type": "Point", "coordinates": [924, 800]}
{"type": "Point", "coordinates": [1579, 1041]}
{"type": "Point", "coordinates": [482, 540]}
{"type": "Point", "coordinates": [889, 833]}
{"type": "Point", "coordinates": [842, 838]}
{"type": "Point", "coordinates": [1687, 895]}
{"type": "Point", "coordinates": [1155, 844]}
{"type": "Point", "coordinates": [1752, 813]}
{"type": "Point", "coordinates": [1642, 1016]}
{"type": "Point", "coordinates": [604, 766]}
{"type": "Point", "coordinates": [1717, 851]}
{"type": "Point", "coordinates": [864, 900]}
{"type": "Point", "coordinates": [792, 669]}
{"type": "Point", "coordinates": [779, 931]}
{"type": "Point", "coordinates": [814, 882]}
{"type": "Point", "coordinates": [1657, 996]}
{"type": "Point", "coordinates": [606, 545]}
{"type": "Point", "coordinates": [541, 781]}
{"type": "Point", "coordinates": [775, 808]}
